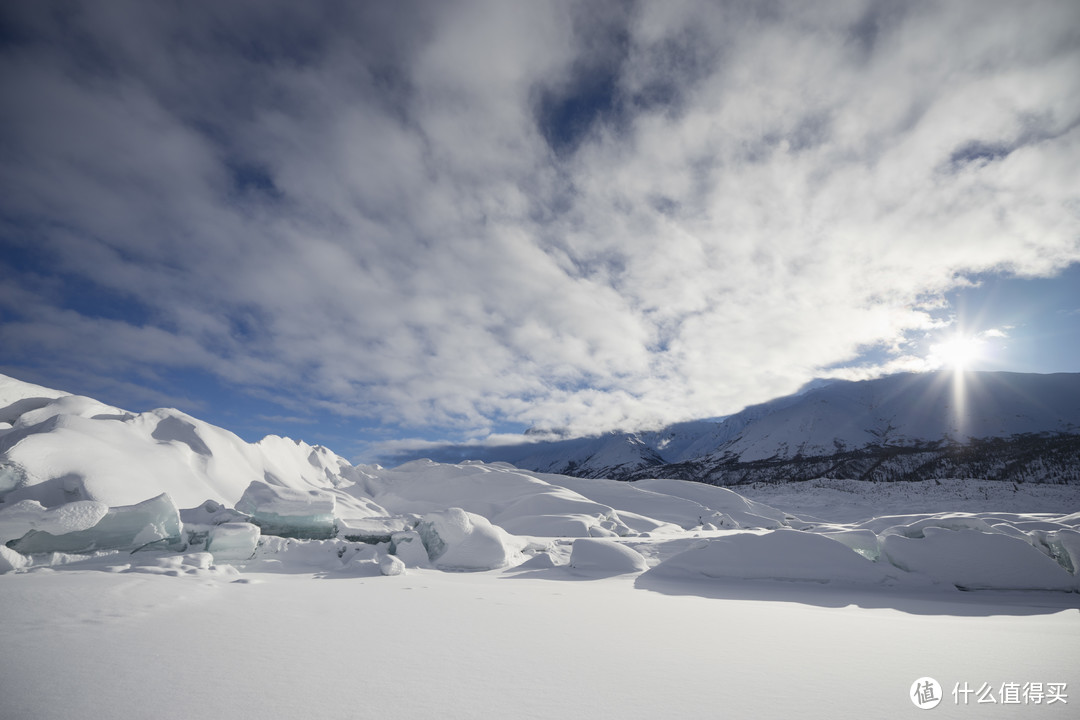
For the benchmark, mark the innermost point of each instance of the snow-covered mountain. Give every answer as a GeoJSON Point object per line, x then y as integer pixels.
{"type": "Point", "coordinates": [1013, 425]}
{"type": "Point", "coordinates": [909, 409]}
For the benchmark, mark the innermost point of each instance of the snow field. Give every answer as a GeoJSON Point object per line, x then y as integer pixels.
{"type": "Point", "coordinates": [493, 644]}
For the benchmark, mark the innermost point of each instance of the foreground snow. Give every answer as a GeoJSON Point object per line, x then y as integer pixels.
{"type": "Point", "coordinates": [531, 644]}
{"type": "Point", "coordinates": [156, 566]}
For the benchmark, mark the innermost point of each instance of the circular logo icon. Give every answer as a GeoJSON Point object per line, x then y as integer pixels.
{"type": "Point", "coordinates": [925, 693]}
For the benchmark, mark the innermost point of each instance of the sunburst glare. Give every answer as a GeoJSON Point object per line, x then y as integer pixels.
{"type": "Point", "coordinates": [959, 352]}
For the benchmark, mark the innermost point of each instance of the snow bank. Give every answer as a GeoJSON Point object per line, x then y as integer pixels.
{"type": "Point", "coordinates": [642, 509]}
{"type": "Point", "coordinates": [972, 560]}
{"type": "Point", "coordinates": [776, 555]}
{"type": "Point", "coordinates": [847, 501]}
{"type": "Point", "coordinates": [725, 503]}
{"type": "Point", "coordinates": [568, 525]}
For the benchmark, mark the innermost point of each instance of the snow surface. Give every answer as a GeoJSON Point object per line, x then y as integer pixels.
{"type": "Point", "coordinates": [481, 590]}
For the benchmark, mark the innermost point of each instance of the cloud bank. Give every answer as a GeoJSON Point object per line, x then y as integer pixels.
{"type": "Point", "coordinates": [577, 215]}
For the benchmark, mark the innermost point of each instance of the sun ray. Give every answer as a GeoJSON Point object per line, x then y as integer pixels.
{"type": "Point", "coordinates": [959, 352]}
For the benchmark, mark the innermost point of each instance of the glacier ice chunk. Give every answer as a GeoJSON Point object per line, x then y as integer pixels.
{"type": "Point", "coordinates": [285, 512]}
{"type": "Point", "coordinates": [941, 521]}
{"type": "Point", "coordinates": [20, 518]}
{"type": "Point", "coordinates": [459, 540]}
{"type": "Point", "coordinates": [864, 542]}
{"type": "Point", "coordinates": [129, 527]}
{"type": "Point", "coordinates": [211, 512]}
{"type": "Point", "coordinates": [409, 546]}
{"type": "Point", "coordinates": [11, 560]}
{"type": "Point", "coordinates": [1062, 545]}
{"type": "Point", "coordinates": [233, 540]}
{"type": "Point", "coordinates": [374, 529]}
{"type": "Point", "coordinates": [279, 554]}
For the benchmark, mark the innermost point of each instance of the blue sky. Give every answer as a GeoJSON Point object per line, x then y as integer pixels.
{"type": "Point", "coordinates": [373, 224]}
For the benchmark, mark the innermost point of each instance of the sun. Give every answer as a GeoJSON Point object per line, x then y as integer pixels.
{"type": "Point", "coordinates": [957, 353]}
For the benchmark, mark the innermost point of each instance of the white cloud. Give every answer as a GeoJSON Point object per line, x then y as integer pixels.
{"type": "Point", "coordinates": [364, 209]}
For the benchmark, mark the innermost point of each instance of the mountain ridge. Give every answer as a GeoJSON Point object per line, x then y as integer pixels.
{"type": "Point", "coordinates": [1009, 426]}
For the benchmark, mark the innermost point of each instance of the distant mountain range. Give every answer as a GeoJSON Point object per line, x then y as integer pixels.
{"type": "Point", "coordinates": [997, 425]}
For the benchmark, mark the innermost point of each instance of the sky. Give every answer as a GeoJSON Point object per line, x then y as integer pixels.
{"type": "Point", "coordinates": [369, 224]}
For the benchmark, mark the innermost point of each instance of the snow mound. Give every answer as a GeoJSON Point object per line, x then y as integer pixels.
{"type": "Point", "coordinates": [595, 555]}
{"type": "Point", "coordinates": [460, 540]}
{"type": "Point", "coordinates": [57, 448]}
{"type": "Point", "coordinates": [391, 565]}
